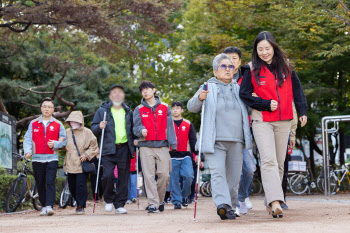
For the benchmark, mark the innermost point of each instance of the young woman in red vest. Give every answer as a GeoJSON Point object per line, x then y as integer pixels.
{"type": "Point", "coordinates": [276, 84]}
{"type": "Point", "coordinates": [45, 135]}
{"type": "Point", "coordinates": [154, 126]}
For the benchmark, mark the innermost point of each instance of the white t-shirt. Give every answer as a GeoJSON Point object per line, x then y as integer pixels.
{"type": "Point", "coordinates": [45, 123]}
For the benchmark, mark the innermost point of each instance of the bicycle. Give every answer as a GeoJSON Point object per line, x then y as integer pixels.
{"type": "Point", "coordinates": [66, 196]}
{"type": "Point", "coordinates": [335, 182]}
{"type": "Point", "coordinates": [257, 187]}
{"type": "Point", "coordinates": [300, 183]}
{"type": "Point", "coordinates": [18, 191]}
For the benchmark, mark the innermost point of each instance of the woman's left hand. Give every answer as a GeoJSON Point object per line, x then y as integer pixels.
{"type": "Point", "coordinates": [83, 158]}
{"type": "Point", "coordinates": [303, 120]}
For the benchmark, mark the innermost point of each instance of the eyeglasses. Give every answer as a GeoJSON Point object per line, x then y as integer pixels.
{"type": "Point", "coordinates": [224, 67]}
{"type": "Point", "coordinates": [44, 107]}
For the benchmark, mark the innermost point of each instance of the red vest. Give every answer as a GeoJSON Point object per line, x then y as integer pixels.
{"type": "Point", "coordinates": [269, 89]}
{"type": "Point", "coordinates": [39, 138]}
{"type": "Point", "coordinates": [182, 133]}
{"type": "Point", "coordinates": [155, 122]}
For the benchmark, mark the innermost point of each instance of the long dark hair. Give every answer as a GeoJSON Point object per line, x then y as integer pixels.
{"type": "Point", "coordinates": [279, 60]}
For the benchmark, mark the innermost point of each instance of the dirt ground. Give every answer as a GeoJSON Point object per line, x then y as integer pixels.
{"type": "Point", "coordinates": [313, 213]}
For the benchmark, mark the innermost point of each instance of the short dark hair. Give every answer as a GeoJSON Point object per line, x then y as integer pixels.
{"type": "Point", "coordinates": [177, 103]}
{"type": "Point", "coordinates": [232, 49]}
{"type": "Point", "coordinates": [146, 84]}
{"type": "Point", "coordinates": [46, 99]}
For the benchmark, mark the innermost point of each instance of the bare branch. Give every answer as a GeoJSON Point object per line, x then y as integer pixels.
{"type": "Point", "coordinates": [2, 107]}
{"type": "Point", "coordinates": [36, 92]}
{"type": "Point", "coordinates": [346, 8]}
{"type": "Point", "coordinates": [24, 103]}
{"type": "Point", "coordinates": [59, 83]}
{"type": "Point", "coordinates": [347, 22]}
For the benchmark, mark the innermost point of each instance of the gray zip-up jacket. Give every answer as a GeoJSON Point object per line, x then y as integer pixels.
{"type": "Point", "coordinates": [209, 126]}
{"type": "Point", "coordinates": [138, 127]}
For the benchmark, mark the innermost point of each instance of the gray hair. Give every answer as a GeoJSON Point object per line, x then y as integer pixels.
{"type": "Point", "coordinates": [219, 58]}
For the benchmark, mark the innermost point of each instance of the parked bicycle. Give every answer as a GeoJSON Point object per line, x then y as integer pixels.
{"type": "Point", "coordinates": [257, 187]}
{"type": "Point", "coordinates": [301, 183]}
{"type": "Point", "coordinates": [21, 189]}
{"type": "Point", "coordinates": [335, 182]}
{"type": "Point", "coordinates": [66, 197]}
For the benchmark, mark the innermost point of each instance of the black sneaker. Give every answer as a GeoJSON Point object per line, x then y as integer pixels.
{"type": "Point", "coordinates": [147, 208]}
{"type": "Point", "coordinates": [185, 202]}
{"type": "Point", "coordinates": [231, 214]}
{"type": "Point", "coordinates": [177, 206]}
{"type": "Point", "coordinates": [152, 209]}
{"type": "Point", "coordinates": [79, 210]}
{"type": "Point", "coordinates": [222, 211]}
{"type": "Point", "coordinates": [161, 207]}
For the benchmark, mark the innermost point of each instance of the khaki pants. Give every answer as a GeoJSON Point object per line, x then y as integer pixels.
{"type": "Point", "coordinates": [272, 141]}
{"type": "Point", "coordinates": [150, 159]}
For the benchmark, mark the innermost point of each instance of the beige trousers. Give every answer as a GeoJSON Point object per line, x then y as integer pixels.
{"type": "Point", "coordinates": [272, 141]}
{"type": "Point", "coordinates": [155, 161]}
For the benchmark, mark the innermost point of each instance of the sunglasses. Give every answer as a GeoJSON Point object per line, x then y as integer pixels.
{"type": "Point", "coordinates": [224, 67]}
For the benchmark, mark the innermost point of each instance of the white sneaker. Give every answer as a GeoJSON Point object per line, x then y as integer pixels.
{"type": "Point", "coordinates": [121, 210]}
{"type": "Point", "coordinates": [243, 207]}
{"type": "Point", "coordinates": [128, 202]}
{"type": "Point", "coordinates": [109, 207]}
{"type": "Point", "coordinates": [248, 203]}
{"type": "Point", "coordinates": [43, 212]}
{"type": "Point", "coordinates": [49, 211]}
{"type": "Point", "coordinates": [237, 212]}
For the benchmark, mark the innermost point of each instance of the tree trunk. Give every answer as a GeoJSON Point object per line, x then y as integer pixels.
{"type": "Point", "coordinates": [2, 107]}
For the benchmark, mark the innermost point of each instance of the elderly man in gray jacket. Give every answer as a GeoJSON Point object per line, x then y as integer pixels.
{"type": "Point", "coordinates": [225, 133]}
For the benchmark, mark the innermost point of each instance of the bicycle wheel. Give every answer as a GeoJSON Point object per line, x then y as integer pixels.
{"type": "Point", "coordinates": [73, 202]}
{"type": "Point", "coordinates": [16, 194]}
{"type": "Point", "coordinates": [256, 187]}
{"type": "Point", "coordinates": [298, 184]}
{"type": "Point", "coordinates": [35, 197]}
{"type": "Point", "coordinates": [65, 195]}
{"type": "Point", "coordinates": [333, 180]}
{"type": "Point", "coordinates": [209, 189]}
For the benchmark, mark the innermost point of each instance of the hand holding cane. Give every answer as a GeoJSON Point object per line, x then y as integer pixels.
{"type": "Point", "coordinates": [205, 88]}
{"type": "Point", "coordinates": [99, 162]}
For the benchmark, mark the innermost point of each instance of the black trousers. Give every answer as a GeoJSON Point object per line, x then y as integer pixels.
{"type": "Point", "coordinates": [45, 176]}
{"type": "Point", "coordinates": [93, 179]}
{"type": "Point", "coordinates": [122, 160]}
{"type": "Point", "coordinates": [78, 188]}
{"type": "Point", "coordinates": [285, 175]}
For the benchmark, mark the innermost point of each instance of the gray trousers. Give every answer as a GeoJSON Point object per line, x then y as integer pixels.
{"type": "Point", "coordinates": [225, 168]}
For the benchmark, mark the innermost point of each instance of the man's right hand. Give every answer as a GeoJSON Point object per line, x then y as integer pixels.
{"type": "Point", "coordinates": [28, 155]}
{"type": "Point", "coordinates": [103, 124]}
{"type": "Point", "coordinates": [144, 132]}
{"type": "Point", "coordinates": [273, 105]}
{"type": "Point", "coordinates": [203, 95]}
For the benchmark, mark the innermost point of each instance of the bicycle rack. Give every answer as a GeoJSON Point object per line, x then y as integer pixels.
{"type": "Point", "coordinates": [325, 143]}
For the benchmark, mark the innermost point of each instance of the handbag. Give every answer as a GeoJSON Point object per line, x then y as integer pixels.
{"type": "Point", "coordinates": [87, 166]}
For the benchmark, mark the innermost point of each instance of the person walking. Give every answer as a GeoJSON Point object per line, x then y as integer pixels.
{"type": "Point", "coordinates": [118, 147]}
{"type": "Point", "coordinates": [225, 133]}
{"type": "Point", "coordinates": [44, 137]}
{"type": "Point", "coordinates": [249, 165]}
{"type": "Point", "coordinates": [132, 189]}
{"type": "Point", "coordinates": [81, 146]}
{"type": "Point", "coordinates": [276, 84]}
{"type": "Point", "coordinates": [181, 159]}
{"type": "Point", "coordinates": [154, 126]}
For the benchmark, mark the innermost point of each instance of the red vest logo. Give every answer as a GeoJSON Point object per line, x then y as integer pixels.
{"type": "Point", "coordinates": [52, 128]}
{"type": "Point", "coordinates": [144, 115]}
{"type": "Point", "coordinates": [36, 130]}
{"type": "Point", "coordinates": [183, 128]}
{"type": "Point", "coordinates": [160, 112]}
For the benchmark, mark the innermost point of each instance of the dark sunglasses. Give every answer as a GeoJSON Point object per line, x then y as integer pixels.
{"type": "Point", "coordinates": [224, 67]}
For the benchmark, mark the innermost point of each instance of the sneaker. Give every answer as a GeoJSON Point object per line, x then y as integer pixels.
{"type": "Point", "coordinates": [231, 214]}
{"type": "Point", "coordinates": [161, 207]}
{"type": "Point", "coordinates": [128, 202]}
{"type": "Point", "coordinates": [147, 208]}
{"type": "Point", "coordinates": [248, 203]}
{"type": "Point", "coordinates": [121, 210]}
{"type": "Point", "coordinates": [222, 211]}
{"type": "Point", "coordinates": [185, 202]}
{"type": "Point", "coordinates": [43, 212]}
{"type": "Point", "coordinates": [50, 211]}
{"type": "Point", "coordinates": [109, 207]}
{"type": "Point", "coordinates": [177, 206]}
{"type": "Point", "coordinates": [79, 210]}
{"type": "Point", "coordinates": [284, 206]}
{"type": "Point", "coordinates": [243, 208]}
{"type": "Point", "coordinates": [152, 209]}
{"type": "Point", "coordinates": [237, 213]}
{"type": "Point", "coordinates": [134, 200]}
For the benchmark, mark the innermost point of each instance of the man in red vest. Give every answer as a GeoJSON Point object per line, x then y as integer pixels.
{"type": "Point", "coordinates": [181, 159]}
{"type": "Point", "coordinates": [154, 126]}
{"type": "Point", "coordinates": [45, 135]}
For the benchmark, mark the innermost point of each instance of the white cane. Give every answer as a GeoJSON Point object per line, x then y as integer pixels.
{"type": "Point", "coordinates": [99, 162]}
{"type": "Point", "coordinates": [205, 88]}
{"type": "Point", "coordinates": [137, 177]}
